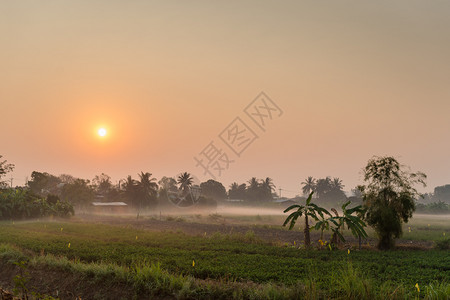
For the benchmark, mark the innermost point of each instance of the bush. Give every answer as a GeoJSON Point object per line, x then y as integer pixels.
{"type": "Point", "coordinates": [23, 204]}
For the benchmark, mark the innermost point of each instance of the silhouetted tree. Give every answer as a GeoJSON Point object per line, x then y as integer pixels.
{"type": "Point", "coordinates": [442, 193]}
{"type": "Point", "coordinates": [237, 191]}
{"type": "Point", "coordinates": [44, 183]}
{"type": "Point", "coordinates": [323, 186]}
{"type": "Point", "coordinates": [79, 193]}
{"type": "Point", "coordinates": [185, 181]}
{"type": "Point", "coordinates": [267, 187]}
{"type": "Point", "coordinates": [167, 189]}
{"type": "Point", "coordinates": [102, 184]}
{"type": "Point", "coordinates": [213, 189]}
{"type": "Point", "coordinates": [253, 189]}
{"type": "Point", "coordinates": [130, 191]}
{"type": "Point", "coordinates": [389, 197]}
{"type": "Point", "coordinates": [5, 168]}
{"type": "Point", "coordinates": [309, 185]}
{"type": "Point", "coordinates": [147, 190]}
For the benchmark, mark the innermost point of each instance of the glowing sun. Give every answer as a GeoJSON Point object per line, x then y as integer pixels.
{"type": "Point", "coordinates": [102, 132]}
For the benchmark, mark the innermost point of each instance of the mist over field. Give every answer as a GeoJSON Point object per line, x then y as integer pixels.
{"type": "Point", "coordinates": [224, 150]}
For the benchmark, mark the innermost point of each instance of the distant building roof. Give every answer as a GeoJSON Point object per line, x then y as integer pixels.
{"type": "Point", "coordinates": [109, 204]}
{"type": "Point", "coordinates": [285, 200]}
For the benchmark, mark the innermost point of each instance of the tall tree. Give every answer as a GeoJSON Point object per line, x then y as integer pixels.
{"type": "Point", "coordinates": [237, 191]}
{"type": "Point", "coordinates": [147, 189]}
{"type": "Point", "coordinates": [129, 190]}
{"type": "Point", "coordinates": [309, 185]}
{"type": "Point", "coordinates": [185, 181]}
{"type": "Point", "coordinates": [79, 193]}
{"type": "Point", "coordinates": [168, 184]}
{"type": "Point", "coordinates": [323, 186]}
{"type": "Point", "coordinates": [213, 189]}
{"type": "Point", "coordinates": [336, 184]}
{"type": "Point", "coordinates": [5, 168]}
{"type": "Point", "coordinates": [253, 189]}
{"type": "Point", "coordinates": [388, 197]}
{"type": "Point", "coordinates": [44, 183]}
{"type": "Point", "coordinates": [102, 184]}
{"type": "Point", "coordinates": [267, 187]}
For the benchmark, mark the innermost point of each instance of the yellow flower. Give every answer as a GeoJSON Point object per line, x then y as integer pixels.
{"type": "Point", "coordinates": [417, 287]}
{"type": "Point", "coordinates": [61, 229]}
{"type": "Point", "coordinates": [409, 229]}
{"type": "Point", "coordinates": [348, 251]}
{"type": "Point", "coordinates": [193, 263]}
{"type": "Point", "coordinates": [136, 238]}
{"type": "Point", "coordinates": [68, 246]}
{"type": "Point", "coordinates": [321, 242]}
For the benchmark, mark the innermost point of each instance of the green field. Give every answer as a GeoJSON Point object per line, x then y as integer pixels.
{"type": "Point", "coordinates": [260, 269]}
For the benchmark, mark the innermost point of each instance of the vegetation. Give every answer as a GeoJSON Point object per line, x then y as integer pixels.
{"type": "Point", "coordinates": [442, 193]}
{"type": "Point", "coordinates": [329, 191]}
{"type": "Point", "coordinates": [222, 266]}
{"type": "Point", "coordinates": [353, 222]}
{"type": "Point", "coordinates": [389, 197]}
{"type": "Point", "coordinates": [433, 208]}
{"type": "Point", "coordinates": [308, 210]}
{"type": "Point", "coordinates": [19, 204]}
{"type": "Point", "coordinates": [213, 189]}
{"type": "Point", "coordinates": [257, 190]}
{"type": "Point", "coordinates": [5, 168]}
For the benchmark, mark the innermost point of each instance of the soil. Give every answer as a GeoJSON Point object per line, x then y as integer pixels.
{"type": "Point", "coordinates": [222, 225]}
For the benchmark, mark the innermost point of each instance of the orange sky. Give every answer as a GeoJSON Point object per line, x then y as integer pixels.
{"type": "Point", "coordinates": [166, 78]}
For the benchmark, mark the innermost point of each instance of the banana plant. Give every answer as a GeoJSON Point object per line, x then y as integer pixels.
{"type": "Point", "coordinates": [309, 210]}
{"type": "Point", "coordinates": [353, 222]}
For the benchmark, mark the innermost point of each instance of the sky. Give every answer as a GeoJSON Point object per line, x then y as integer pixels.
{"type": "Point", "coordinates": [172, 81]}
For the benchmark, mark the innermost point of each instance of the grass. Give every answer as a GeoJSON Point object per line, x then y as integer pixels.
{"type": "Point", "coordinates": [162, 263]}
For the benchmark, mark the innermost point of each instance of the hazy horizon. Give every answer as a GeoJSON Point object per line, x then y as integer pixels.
{"type": "Point", "coordinates": [351, 80]}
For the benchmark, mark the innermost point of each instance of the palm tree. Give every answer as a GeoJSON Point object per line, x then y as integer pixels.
{"type": "Point", "coordinates": [309, 210]}
{"type": "Point", "coordinates": [309, 185]}
{"type": "Point", "coordinates": [185, 181]}
{"type": "Point", "coordinates": [323, 186]}
{"type": "Point", "coordinates": [129, 190]}
{"type": "Point", "coordinates": [336, 183]}
{"type": "Point", "coordinates": [253, 189]}
{"type": "Point", "coordinates": [253, 183]}
{"type": "Point", "coordinates": [234, 186]}
{"type": "Point", "coordinates": [268, 187]}
{"type": "Point", "coordinates": [147, 189]}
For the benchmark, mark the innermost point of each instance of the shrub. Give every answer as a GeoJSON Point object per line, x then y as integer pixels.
{"type": "Point", "coordinates": [23, 204]}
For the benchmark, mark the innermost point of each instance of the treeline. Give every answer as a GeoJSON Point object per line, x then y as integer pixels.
{"type": "Point", "coordinates": [439, 207]}
{"type": "Point", "coordinates": [440, 194]}
{"type": "Point", "coordinates": [143, 192]}
{"type": "Point", "coordinates": [146, 192]}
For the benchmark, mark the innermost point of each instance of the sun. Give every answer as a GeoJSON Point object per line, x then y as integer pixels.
{"type": "Point", "coordinates": [101, 132]}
